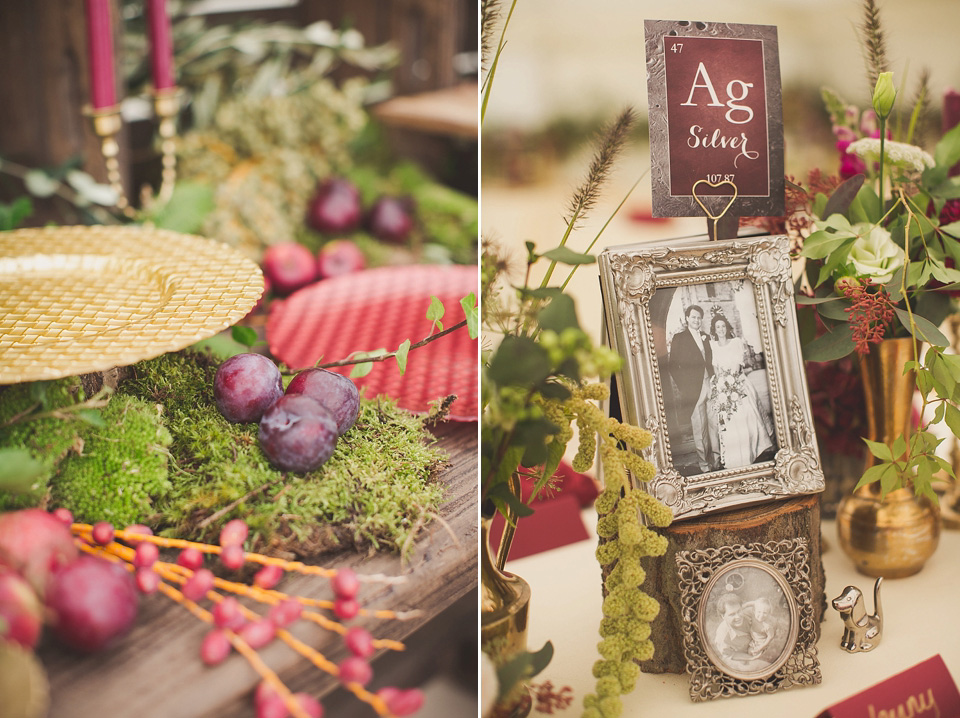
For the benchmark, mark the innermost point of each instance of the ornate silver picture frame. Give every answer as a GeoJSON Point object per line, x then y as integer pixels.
{"type": "Point", "coordinates": [748, 624]}
{"type": "Point", "coordinates": [712, 367]}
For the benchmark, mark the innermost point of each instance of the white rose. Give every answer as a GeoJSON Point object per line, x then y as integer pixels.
{"type": "Point", "coordinates": [874, 253]}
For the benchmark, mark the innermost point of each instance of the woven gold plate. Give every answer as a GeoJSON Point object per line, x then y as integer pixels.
{"type": "Point", "coordinates": [80, 299]}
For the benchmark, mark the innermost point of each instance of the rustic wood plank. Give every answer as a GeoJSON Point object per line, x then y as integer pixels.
{"type": "Point", "coordinates": [155, 672]}
{"type": "Point", "coordinates": [451, 111]}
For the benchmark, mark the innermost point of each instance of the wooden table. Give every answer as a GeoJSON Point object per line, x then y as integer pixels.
{"type": "Point", "coordinates": [156, 672]}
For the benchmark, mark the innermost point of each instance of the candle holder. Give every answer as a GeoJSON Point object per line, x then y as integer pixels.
{"type": "Point", "coordinates": [107, 124]}
{"type": "Point", "coordinates": [166, 106]}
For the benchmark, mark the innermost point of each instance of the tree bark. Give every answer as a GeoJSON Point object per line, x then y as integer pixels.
{"type": "Point", "coordinates": [777, 521]}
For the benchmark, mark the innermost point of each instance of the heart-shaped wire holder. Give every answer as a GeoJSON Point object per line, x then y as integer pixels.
{"type": "Point", "coordinates": [107, 123]}
{"type": "Point", "coordinates": [714, 218]}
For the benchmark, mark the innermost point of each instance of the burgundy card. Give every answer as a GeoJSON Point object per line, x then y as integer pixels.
{"type": "Point", "coordinates": [925, 691]}
{"type": "Point", "coordinates": [715, 115]}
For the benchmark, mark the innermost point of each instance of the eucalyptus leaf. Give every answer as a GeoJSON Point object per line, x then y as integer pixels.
{"type": "Point", "coordinates": [522, 667]}
{"type": "Point", "coordinates": [832, 345]}
{"type": "Point", "coordinates": [40, 184]}
{"type": "Point", "coordinates": [243, 335]}
{"type": "Point", "coordinates": [565, 255]}
{"type": "Point", "coordinates": [925, 330]}
{"type": "Point", "coordinates": [502, 494]}
{"type": "Point", "coordinates": [559, 314]}
{"type": "Point", "coordinates": [843, 196]}
{"type": "Point", "coordinates": [519, 361]}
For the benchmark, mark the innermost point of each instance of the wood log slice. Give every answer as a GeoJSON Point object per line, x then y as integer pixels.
{"type": "Point", "coordinates": [763, 523]}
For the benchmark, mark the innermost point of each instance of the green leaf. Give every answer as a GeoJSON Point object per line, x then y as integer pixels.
{"type": "Point", "coordinates": [952, 417]}
{"type": "Point", "coordinates": [11, 215]}
{"type": "Point", "coordinates": [565, 255]}
{"type": "Point", "coordinates": [552, 390]}
{"type": "Point", "coordinates": [533, 434]}
{"type": "Point", "coordinates": [559, 314]}
{"type": "Point", "coordinates": [401, 355]}
{"type": "Point", "coordinates": [519, 361]}
{"type": "Point", "coordinates": [843, 196]}
{"type": "Point", "coordinates": [472, 314]}
{"type": "Point", "coordinates": [363, 368]}
{"type": "Point", "coordinates": [38, 392]}
{"type": "Point", "coordinates": [873, 474]}
{"type": "Point", "coordinates": [20, 473]}
{"type": "Point", "coordinates": [946, 154]}
{"type": "Point", "coordinates": [879, 449]}
{"type": "Point", "coordinates": [539, 293]}
{"type": "Point", "coordinates": [925, 330]}
{"type": "Point", "coordinates": [832, 345]}
{"type": "Point", "coordinates": [501, 493]}
{"type": "Point", "coordinates": [522, 667]}
{"type": "Point", "coordinates": [899, 447]}
{"type": "Point", "coordinates": [435, 312]}
{"type": "Point", "coordinates": [243, 335]}
{"type": "Point", "coordinates": [187, 209]}
{"type": "Point", "coordinates": [91, 416]}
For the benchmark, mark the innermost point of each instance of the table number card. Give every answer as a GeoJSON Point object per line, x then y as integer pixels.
{"type": "Point", "coordinates": [715, 115]}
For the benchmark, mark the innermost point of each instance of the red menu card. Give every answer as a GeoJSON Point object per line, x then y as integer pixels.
{"type": "Point", "coordinates": [925, 691]}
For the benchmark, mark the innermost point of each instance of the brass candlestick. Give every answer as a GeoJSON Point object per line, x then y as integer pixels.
{"type": "Point", "coordinates": [166, 104]}
{"type": "Point", "coordinates": [107, 124]}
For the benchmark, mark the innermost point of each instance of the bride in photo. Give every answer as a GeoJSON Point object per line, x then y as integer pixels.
{"type": "Point", "coordinates": [736, 408]}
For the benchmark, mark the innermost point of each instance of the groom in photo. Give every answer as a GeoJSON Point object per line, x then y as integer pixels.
{"type": "Point", "coordinates": [691, 366]}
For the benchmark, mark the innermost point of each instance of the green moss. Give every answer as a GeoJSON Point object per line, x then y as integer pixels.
{"type": "Point", "coordinates": [376, 489]}
{"type": "Point", "coordinates": [48, 439]}
{"type": "Point", "coordinates": [122, 469]}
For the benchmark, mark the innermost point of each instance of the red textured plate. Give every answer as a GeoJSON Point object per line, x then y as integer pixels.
{"type": "Point", "coordinates": [379, 309]}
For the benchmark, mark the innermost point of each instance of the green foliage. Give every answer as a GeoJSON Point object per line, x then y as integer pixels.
{"type": "Point", "coordinates": [522, 667]}
{"type": "Point", "coordinates": [187, 209]}
{"type": "Point", "coordinates": [11, 215]}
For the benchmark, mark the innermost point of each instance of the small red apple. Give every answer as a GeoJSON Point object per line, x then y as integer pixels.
{"type": "Point", "coordinates": [21, 613]}
{"type": "Point", "coordinates": [288, 266]}
{"type": "Point", "coordinates": [335, 207]}
{"type": "Point", "coordinates": [341, 256]}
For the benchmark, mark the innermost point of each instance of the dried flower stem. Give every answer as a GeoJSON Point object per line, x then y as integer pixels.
{"type": "Point", "coordinates": [874, 43]}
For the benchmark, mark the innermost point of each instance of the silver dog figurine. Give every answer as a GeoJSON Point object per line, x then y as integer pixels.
{"type": "Point", "coordinates": [861, 632]}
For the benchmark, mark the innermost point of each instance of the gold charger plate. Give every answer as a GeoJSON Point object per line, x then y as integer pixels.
{"type": "Point", "coordinates": [79, 299]}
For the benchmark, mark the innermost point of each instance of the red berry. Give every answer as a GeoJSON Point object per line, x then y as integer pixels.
{"type": "Point", "coordinates": [268, 576]}
{"type": "Point", "coordinates": [198, 584]}
{"type": "Point", "coordinates": [284, 613]}
{"type": "Point", "coordinates": [146, 555]}
{"type": "Point", "coordinates": [215, 647]}
{"type": "Point", "coordinates": [35, 543]}
{"type": "Point", "coordinates": [359, 642]}
{"type": "Point", "coordinates": [21, 613]}
{"type": "Point", "coordinates": [264, 692]}
{"type": "Point", "coordinates": [401, 703]}
{"type": "Point", "coordinates": [139, 529]}
{"type": "Point", "coordinates": [310, 705]}
{"type": "Point", "coordinates": [272, 707]}
{"type": "Point", "coordinates": [147, 579]}
{"type": "Point", "coordinates": [190, 558]}
{"type": "Point", "coordinates": [345, 608]}
{"type": "Point", "coordinates": [64, 515]}
{"type": "Point", "coordinates": [355, 670]}
{"type": "Point", "coordinates": [345, 583]}
{"type": "Point", "coordinates": [258, 634]}
{"type": "Point", "coordinates": [102, 532]}
{"type": "Point", "coordinates": [234, 532]}
{"type": "Point", "coordinates": [233, 557]}
{"type": "Point", "coordinates": [227, 614]}
{"type": "Point", "coordinates": [93, 602]}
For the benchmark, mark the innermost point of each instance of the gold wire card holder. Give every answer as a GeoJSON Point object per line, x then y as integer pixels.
{"type": "Point", "coordinates": [75, 300]}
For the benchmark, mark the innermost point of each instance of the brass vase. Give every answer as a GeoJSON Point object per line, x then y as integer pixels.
{"type": "Point", "coordinates": [504, 611]}
{"type": "Point", "coordinates": [891, 537]}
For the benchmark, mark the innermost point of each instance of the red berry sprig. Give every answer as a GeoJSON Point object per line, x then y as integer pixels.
{"type": "Point", "coordinates": [234, 627]}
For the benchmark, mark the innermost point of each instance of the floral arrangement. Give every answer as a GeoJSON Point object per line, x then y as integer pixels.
{"type": "Point", "coordinates": [727, 390]}
{"type": "Point", "coordinates": [880, 244]}
{"type": "Point", "coordinates": [536, 385]}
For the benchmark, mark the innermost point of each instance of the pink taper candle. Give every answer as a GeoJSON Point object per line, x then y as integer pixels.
{"type": "Point", "coordinates": [103, 91]}
{"type": "Point", "coordinates": [161, 44]}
